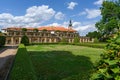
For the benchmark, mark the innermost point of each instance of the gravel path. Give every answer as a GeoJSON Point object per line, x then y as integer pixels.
{"type": "Point", "coordinates": [6, 58]}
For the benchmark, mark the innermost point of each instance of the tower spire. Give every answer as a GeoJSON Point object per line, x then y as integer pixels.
{"type": "Point", "coordinates": [70, 24]}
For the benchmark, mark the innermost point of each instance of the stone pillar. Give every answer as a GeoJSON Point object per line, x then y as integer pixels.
{"type": "Point", "coordinates": [45, 40]}
{"type": "Point", "coordinates": [72, 40]}
{"type": "Point", "coordinates": [30, 40]}
{"type": "Point", "coordinates": [38, 39]}
{"type": "Point", "coordinates": [14, 33]}
{"type": "Point", "coordinates": [92, 39]}
{"type": "Point", "coordinates": [19, 40]}
{"type": "Point", "coordinates": [55, 40]}
{"type": "Point", "coordinates": [12, 41]}
{"type": "Point", "coordinates": [50, 40]}
{"type": "Point", "coordinates": [80, 40]}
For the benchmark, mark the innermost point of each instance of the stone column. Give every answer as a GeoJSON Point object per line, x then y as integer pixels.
{"type": "Point", "coordinates": [50, 40]}
{"type": "Point", "coordinates": [92, 39]}
{"type": "Point", "coordinates": [30, 40]}
{"type": "Point", "coordinates": [55, 40]}
{"type": "Point", "coordinates": [45, 40]}
{"type": "Point", "coordinates": [19, 40]}
{"type": "Point", "coordinates": [38, 39]}
{"type": "Point", "coordinates": [12, 41]}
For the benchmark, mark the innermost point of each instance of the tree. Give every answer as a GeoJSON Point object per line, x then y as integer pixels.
{"type": "Point", "coordinates": [76, 40]}
{"type": "Point", "coordinates": [35, 29]}
{"type": "Point", "coordinates": [63, 40]}
{"type": "Point", "coordinates": [110, 21]}
{"type": "Point", "coordinates": [1, 33]}
{"type": "Point", "coordinates": [108, 68]}
{"type": "Point", "coordinates": [24, 29]}
{"type": "Point", "coordinates": [25, 40]}
{"type": "Point", "coordinates": [2, 40]}
{"type": "Point", "coordinates": [44, 30]}
{"type": "Point", "coordinates": [94, 34]}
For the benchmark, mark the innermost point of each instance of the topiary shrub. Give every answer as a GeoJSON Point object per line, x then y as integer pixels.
{"type": "Point", "coordinates": [64, 40]}
{"type": "Point", "coordinates": [96, 40]}
{"type": "Point", "coordinates": [76, 40]}
{"type": "Point", "coordinates": [108, 68]}
{"type": "Point", "coordinates": [25, 40]}
{"type": "Point", "coordinates": [2, 40]}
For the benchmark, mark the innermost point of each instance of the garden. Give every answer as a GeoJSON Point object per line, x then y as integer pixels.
{"type": "Point", "coordinates": [54, 62]}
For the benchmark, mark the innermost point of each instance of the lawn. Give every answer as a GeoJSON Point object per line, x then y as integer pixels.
{"type": "Point", "coordinates": [63, 62]}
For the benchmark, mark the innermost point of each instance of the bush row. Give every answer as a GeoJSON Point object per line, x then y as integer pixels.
{"type": "Point", "coordinates": [22, 68]}
{"type": "Point", "coordinates": [94, 45]}
{"type": "Point", "coordinates": [2, 40]}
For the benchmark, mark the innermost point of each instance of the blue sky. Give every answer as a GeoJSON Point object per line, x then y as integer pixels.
{"type": "Point", "coordinates": [35, 13]}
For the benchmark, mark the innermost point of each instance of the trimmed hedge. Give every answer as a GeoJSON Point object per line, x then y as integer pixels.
{"type": "Point", "coordinates": [22, 68]}
{"type": "Point", "coordinates": [25, 40]}
{"type": "Point", "coordinates": [93, 45]}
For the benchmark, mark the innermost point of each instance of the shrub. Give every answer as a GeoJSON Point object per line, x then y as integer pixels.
{"type": "Point", "coordinates": [35, 29]}
{"type": "Point", "coordinates": [25, 40]}
{"type": "Point", "coordinates": [63, 40]}
{"type": "Point", "coordinates": [76, 40]}
{"type": "Point", "coordinates": [22, 68]}
{"type": "Point", "coordinates": [108, 68]}
{"type": "Point", "coordinates": [2, 40]}
{"type": "Point", "coordinates": [96, 40]}
{"type": "Point", "coordinates": [24, 29]}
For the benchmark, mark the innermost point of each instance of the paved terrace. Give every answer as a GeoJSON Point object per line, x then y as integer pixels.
{"type": "Point", "coordinates": [6, 57]}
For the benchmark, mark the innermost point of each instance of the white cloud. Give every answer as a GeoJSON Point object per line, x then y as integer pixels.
{"type": "Point", "coordinates": [84, 29]}
{"type": "Point", "coordinates": [54, 24]}
{"type": "Point", "coordinates": [59, 16]}
{"type": "Point", "coordinates": [92, 13]}
{"type": "Point", "coordinates": [99, 2]}
{"type": "Point", "coordinates": [71, 5]}
{"type": "Point", "coordinates": [82, 13]}
{"type": "Point", "coordinates": [34, 16]}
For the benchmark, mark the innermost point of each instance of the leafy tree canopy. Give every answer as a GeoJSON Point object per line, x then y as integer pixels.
{"type": "Point", "coordinates": [24, 29]}
{"type": "Point", "coordinates": [35, 29]}
{"type": "Point", "coordinates": [108, 68]}
{"type": "Point", "coordinates": [94, 34]}
{"type": "Point", "coordinates": [25, 40]}
{"type": "Point", "coordinates": [76, 40]}
{"type": "Point", "coordinates": [110, 22]}
{"type": "Point", "coordinates": [2, 40]}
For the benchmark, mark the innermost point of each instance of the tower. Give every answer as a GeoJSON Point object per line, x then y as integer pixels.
{"type": "Point", "coordinates": [70, 24]}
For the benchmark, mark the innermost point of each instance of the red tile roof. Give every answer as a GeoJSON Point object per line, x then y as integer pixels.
{"type": "Point", "coordinates": [48, 28]}
{"type": "Point", "coordinates": [58, 28]}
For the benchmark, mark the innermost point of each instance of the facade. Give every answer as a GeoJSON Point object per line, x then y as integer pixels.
{"type": "Point", "coordinates": [48, 34]}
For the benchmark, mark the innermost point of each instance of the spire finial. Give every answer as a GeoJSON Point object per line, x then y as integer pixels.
{"type": "Point", "coordinates": [70, 23]}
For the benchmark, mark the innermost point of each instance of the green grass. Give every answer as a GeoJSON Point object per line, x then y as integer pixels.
{"type": "Point", "coordinates": [63, 62]}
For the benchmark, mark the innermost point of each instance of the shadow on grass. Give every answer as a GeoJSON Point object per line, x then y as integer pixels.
{"type": "Point", "coordinates": [60, 65]}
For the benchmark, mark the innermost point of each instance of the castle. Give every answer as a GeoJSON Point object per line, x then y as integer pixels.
{"type": "Point", "coordinates": [49, 34]}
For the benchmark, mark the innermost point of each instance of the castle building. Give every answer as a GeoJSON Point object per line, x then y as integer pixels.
{"type": "Point", "coordinates": [49, 34]}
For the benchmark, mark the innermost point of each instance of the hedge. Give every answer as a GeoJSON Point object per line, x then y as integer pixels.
{"type": "Point", "coordinates": [93, 45]}
{"type": "Point", "coordinates": [22, 68]}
